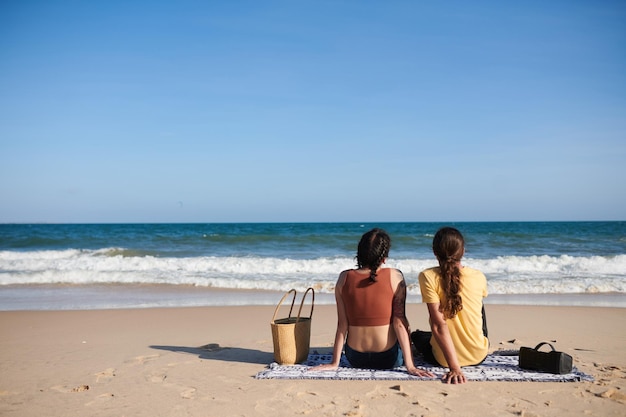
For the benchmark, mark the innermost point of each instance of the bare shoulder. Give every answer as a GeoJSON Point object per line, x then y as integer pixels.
{"type": "Point", "coordinates": [342, 278]}
{"type": "Point", "coordinates": [396, 275]}
{"type": "Point", "coordinates": [344, 273]}
{"type": "Point", "coordinates": [397, 279]}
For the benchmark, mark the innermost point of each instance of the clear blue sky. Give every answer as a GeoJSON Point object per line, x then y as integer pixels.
{"type": "Point", "coordinates": [152, 111]}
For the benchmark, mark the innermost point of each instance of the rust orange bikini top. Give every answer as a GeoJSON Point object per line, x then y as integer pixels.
{"type": "Point", "coordinates": [368, 303]}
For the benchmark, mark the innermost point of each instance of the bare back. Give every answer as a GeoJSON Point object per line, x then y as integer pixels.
{"type": "Point", "coordinates": [370, 338]}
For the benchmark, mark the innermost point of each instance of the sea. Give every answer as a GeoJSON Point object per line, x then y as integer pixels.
{"type": "Point", "coordinates": [104, 266]}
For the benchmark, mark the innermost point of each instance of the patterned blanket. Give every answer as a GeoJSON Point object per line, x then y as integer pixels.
{"type": "Point", "coordinates": [496, 367]}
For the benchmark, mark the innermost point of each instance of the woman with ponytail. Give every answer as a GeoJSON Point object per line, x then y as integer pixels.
{"type": "Point", "coordinates": [372, 326]}
{"type": "Point", "coordinates": [454, 295]}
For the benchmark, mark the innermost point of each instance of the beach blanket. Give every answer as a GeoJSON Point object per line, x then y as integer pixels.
{"type": "Point", "coordinates": [496, 367]}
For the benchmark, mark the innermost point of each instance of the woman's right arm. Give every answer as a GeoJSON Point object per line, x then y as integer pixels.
{"type": "Point", "coordinates": [342, 328]}
{"type": "Point", "coordinates": [401, 325]}
{"type": "Point", "coordinates": [441, 334]}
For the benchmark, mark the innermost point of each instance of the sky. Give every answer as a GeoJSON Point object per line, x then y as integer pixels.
{"type": "Point", "coordinates": [307, 111]}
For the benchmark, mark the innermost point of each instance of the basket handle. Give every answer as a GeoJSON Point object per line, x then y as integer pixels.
{"type": "Point", "coordinates": [302, 303]}
{"type": "Point", "coordinates": [293, 300]}
{"type": "Point", "coordinates": [544, 343]}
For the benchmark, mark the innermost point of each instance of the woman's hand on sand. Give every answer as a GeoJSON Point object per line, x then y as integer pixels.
{"type": "Point", "coordinates": [455, 376]}
{"type": "Point", "coordinates": [419, 372]}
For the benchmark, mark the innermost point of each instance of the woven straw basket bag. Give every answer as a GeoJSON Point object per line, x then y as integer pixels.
{"type": "Point", "coordinates": [292, 335]}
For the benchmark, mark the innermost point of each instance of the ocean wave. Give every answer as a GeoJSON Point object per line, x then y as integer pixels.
{"type": "Point", "coordinates": [506, 275]}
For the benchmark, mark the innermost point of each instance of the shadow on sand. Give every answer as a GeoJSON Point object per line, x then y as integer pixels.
{"type": "Point", "coordinates": [214, 351]}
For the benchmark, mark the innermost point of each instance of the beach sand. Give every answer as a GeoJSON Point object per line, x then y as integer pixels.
{"type": "Point", "coordinates": [202, 362]}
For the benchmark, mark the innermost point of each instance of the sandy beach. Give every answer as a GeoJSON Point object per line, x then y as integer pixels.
{"type": "Point", "coordinates": [202, 362]}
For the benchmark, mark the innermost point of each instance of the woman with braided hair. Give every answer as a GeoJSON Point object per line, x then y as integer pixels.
{"type": "Point", "coordinates": [454, 295]}
{"type": "Point", "coordinates": [371, 322]}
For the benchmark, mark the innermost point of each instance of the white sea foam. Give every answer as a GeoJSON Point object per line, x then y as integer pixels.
{"type": "Point", "coordinates": [506, 275]}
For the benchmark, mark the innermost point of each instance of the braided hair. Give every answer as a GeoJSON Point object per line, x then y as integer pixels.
{"type": "Point", "coordinates": [449, 246]}
{"type": "Point", "coordinates": [372, 250]}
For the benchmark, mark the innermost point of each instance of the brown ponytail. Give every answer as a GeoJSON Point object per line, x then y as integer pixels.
{"type": "Point", "coordinates": [449, 246]}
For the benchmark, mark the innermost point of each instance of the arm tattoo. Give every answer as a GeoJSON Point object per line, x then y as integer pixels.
{"type": "Point", "coordinates": [399, 300]}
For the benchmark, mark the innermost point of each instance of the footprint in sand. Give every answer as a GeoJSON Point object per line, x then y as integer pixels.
{"type": "Point", "coordinates": [189, 393]}
{"type": "Point", "coordinates": [140, 360]}
{"type": "Point", "coordinates": [377, 393]}
{"type": "Point", "coordinates": [102, 398]}
{"type": "Point", "coordinates": [613, 394]}
{"type": "Point", "coordinates": [106, 375]}
{"type": "Point", "coordinates": [186, 392]}
{"type": "Point", "coordinates": [66, 389]}
{"type": "Point", "coordinates": [156, 378]}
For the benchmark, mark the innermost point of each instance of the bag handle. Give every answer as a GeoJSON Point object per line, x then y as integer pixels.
{"type": "Point", "coordinates": [544, 343]}
{"type": "Point", "coordinates": [293, 300]}
{"type": "Point", "coordinates": [302, 303]}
